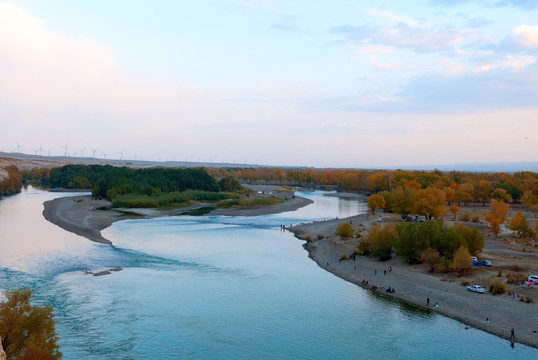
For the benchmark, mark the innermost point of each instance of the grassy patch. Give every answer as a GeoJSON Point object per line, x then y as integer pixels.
{"type": "Point", "coordinates": [168, 200]}
{"type": "Point", "coordinates": [249, 202]}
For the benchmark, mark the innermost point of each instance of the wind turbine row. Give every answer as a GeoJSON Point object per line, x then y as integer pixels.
{"type": "Point", "coordinates": [78, 153]}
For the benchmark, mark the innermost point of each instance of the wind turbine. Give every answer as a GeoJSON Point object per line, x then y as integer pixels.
{"type": "Point", "coordinates": [40, 150]}
{"type": "Point", "coordinates": [121, 155]}
{"type": "Point", "coordinates": [19, 148]}
{"type": "Point", "coordinates": [65, 149]}
{"type": "Point", "coordinates": [93, 151]}
{"type": "Point", "coordinates": [81, 152]}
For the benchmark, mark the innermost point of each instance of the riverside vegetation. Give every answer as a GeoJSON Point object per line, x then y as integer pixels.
{"type": "Point", "coordinates": [26, 331]}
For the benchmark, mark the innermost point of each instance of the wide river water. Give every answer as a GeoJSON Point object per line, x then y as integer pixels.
{"type": "Point", "coordinates": [216, 287]}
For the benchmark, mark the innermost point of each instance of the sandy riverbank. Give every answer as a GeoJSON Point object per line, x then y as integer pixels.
{"type": "Point", "coordinates": [413, 284]}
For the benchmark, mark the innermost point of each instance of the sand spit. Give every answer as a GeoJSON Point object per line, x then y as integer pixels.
{"type": "Point", "coordinates": [86, 217]}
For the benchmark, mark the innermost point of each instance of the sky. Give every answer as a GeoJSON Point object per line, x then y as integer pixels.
{"type": "Point", "coordinates": [341, 83]}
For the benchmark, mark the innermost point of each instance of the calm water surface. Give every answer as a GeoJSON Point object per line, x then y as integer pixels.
{"type": "Point", "coordinates": [215, 288]}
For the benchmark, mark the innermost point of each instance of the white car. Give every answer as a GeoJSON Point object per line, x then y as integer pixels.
{"type": "Point", "coordinates": [476, 288]}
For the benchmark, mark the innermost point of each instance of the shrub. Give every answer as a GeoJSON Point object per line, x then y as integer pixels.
{"type": "Point", "coordinates": [27, 331]}
{"type": "Point", "coordinates": [475, 218]}
{"type": "Point", "coordinates": [497, 287]}
{"type": "Point", "coordinates": [526, 299]}
{"type": "Point", "coordinates": [517, 278]}
{"type": "Point", "coordinates": [431, 257]}
{"type": "Point", "coordinates": [366, 246]}
{"type": "Point", "coordinates": [308, 237]}
{"type": "Point", "coordinates": [320, 236]}
{"type": "Point", "coordinates": [343, 257]}
{"type": "Point", "coordinates": [443, 265]}
{"type": "Point", "coordinates": [465, 283]}
{"type": "Point", "coordinates": [516, 267]}
{"type": "Point", "coordinates": [465, 217]}
{"type": "Point", "coordinates": [461, 263]}
{"type": "Point", "coordinates": [344, 230]}
{"type": "Point", "coordinates": [500, 273]}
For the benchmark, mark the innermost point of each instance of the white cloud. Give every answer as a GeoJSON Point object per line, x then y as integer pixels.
{"type": "Point", "coordinates": [366, 46]}
{"type": "Point", "coordinates": [450, 68]}
{"type": "Point", "coordinates": [525, 37]}
{"type": "Point", "coordinates": [402, 35]}
{"type": "Point", "coordinates": [512, 61]}
{"type": "Point", "coordinates": [391, 16]}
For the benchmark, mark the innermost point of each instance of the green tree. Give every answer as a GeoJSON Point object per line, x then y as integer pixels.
{"type": "Point", "coordinates": [228, 183]}
{"type": "Point", "coordinates": [344, 230]}
{"type": "Point", "coordinates": [381, 239]}
{"type": "Point", "coordinates": [27, 331]}
{"type": "Point", "coordinates": [473, 238]}
{"type": "Point", "coordinates": [410, 241]}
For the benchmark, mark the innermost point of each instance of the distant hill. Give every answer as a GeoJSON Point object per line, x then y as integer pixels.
{"type": "Point", "coordinates": [509, 167]}
{"type": "Point", "coordinates": [26, 161]}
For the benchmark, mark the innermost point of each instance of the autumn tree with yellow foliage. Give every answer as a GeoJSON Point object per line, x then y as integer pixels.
{"type": "Point", "coordinates": [27, 331]}
{"type": "Point", "coordinates": [496, 214]}
{"type": "Point", "coordinates": [454, 209]}
{"type": "Point", "coordinates": [519, 224]}
{"type": "Point", "coordinates": [431, 203]}
{"type": "Point", "coordinates": [376, 201]}
{"type": "Point", "coordinates": [462, 261]}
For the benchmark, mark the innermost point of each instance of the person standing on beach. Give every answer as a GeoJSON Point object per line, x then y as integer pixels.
{"type": "Point", "coordinates": [428, 301]}
{"type": "Point", "coordinates": [512, 335]}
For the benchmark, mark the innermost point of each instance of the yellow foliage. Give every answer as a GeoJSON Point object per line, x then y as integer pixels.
{"type": "Point", "coordinates": [376, 201]}
{"type": "Point", "coordinates": [462, 261]}
{"type": "Point", "coordinates": [344, 230]}
{"type": "Point", "coordinates": [496, 214]}
{"type": "Point", "coordinates": [431, 202]}
{"type": "Point", "coordinates": [454, 209]}
{"type": "Point", "coordinates": [519, 224]}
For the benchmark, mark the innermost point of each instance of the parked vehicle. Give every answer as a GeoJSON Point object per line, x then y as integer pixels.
{"type": "Point", "coordinates": [476, 288]}
{"type": "Point", "coordinates": [486, 263]}
{"type": "Point", "coordinates": [533, 278]}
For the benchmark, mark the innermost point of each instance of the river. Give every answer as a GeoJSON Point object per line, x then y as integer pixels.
{"type": "Point", "coordinates": [215, 287]}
